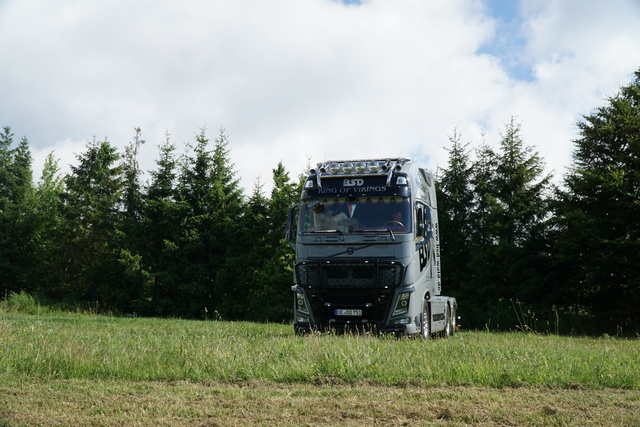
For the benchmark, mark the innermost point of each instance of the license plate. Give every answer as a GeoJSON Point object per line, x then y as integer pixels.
{"type": "Point", "coordinates": [348, 312]}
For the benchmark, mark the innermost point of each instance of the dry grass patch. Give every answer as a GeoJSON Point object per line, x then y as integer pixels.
{"type": "Point", "coordinates": [87, 402]}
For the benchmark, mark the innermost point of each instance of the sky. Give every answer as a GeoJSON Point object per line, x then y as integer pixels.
{"type": "Point", "coordinates": [305, 81]}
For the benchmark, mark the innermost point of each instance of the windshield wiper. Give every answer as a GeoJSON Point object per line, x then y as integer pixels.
{"type": "Point", "coordinates": [327, 231]}
{"type": "Point", "coordinates": [377, 230]}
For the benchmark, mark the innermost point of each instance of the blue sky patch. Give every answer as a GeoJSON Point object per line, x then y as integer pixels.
{"type": "Point", "coordinates": [510, 43]}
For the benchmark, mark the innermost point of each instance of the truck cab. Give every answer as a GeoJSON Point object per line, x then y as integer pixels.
{"type": "Point", "coordinates": [367, 254]}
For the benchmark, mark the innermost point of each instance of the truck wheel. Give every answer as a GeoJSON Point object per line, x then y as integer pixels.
{"type": "Point", "coordinates": [425, 320]}
{"type": "Point", "coordinates": [448, 327]}
{"type": "Point", "coordinates": [454, 321]}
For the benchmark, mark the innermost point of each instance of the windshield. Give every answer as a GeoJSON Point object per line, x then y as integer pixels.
{"type": "Point", "coordinates": [348, 215]}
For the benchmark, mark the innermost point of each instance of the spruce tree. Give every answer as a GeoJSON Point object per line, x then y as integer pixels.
{"type": "Point", "coordinates": [246, 261]}
{"type": "Point", "coordinates": [209, 201]}
{"type": "Point", "coordinates": [494, 211]}
{"type": "Point", "coordinates": [162, 227]}
{"type": "Point", "coordinates": [132, 241]}
{"type": "Point", "coordinates": [90, 250]}
{"type": "Point", "coordinates": [276, 275]}
{"type": "Point", "coordinates": [455, 207]}
{"type": "Point", "coordinates": [18, 223]}
{"type": "Point", "coordinates": [132, 189]}
{"type": "Point", "coordinates": [49, 211]}
{"type": "Point", "coordinates": [519, 214]}
{"type": "Point", "coordinates": [598, 215]}
{"type": "Point", "coordinates": [521, 189]}
{"type": "Point", "coordinates": [478, 290]}
{"type": "Point", "coordinates": [226, 238]}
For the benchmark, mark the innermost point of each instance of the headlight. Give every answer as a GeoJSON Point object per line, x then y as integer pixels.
{"type": "Point", "coordinates": [301, 303]}
{"type": "Point", "coordinates": [402, 305]}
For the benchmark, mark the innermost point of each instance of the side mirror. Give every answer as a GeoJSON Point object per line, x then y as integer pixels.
{"type": "Point", "coordinates": [292, 229]}
{"type": "Point", "coordinates": [428, 224]}
{"type": "Point", "coordinates": [420, 226]}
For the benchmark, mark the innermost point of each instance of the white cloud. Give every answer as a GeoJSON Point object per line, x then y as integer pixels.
{"type": "Point", "coordinates": [296, 79]}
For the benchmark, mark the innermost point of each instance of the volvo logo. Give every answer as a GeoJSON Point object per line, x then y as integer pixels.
{"type": "Point", "coordinates": [351, 250]}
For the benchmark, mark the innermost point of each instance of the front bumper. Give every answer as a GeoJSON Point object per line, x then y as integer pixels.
{"type": "Point", "coordinates": [305, 328]}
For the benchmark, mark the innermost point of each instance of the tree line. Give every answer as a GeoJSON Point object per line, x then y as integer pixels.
{"type": "Point", "coordinates": [517, 250]}
{"type": "Point", "coordinates": [187, 243]}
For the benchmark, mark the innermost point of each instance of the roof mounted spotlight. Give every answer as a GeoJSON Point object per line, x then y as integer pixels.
{"type": "Point", "coordinates": [347, 167]}
{"type": "Point", "coordinates": [334, 168]}
{"type": "Point", "coordinates": [373, 167]}
{"type": "Point", "coordinates": [360, 167]}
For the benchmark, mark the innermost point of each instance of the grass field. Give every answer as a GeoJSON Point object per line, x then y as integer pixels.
{"type": "Point", "coordinates": [61, 369]}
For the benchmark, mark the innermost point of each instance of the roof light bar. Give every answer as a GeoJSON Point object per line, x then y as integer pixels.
{"type": "Point", "coordinates": [378, 167]}
{"type": "Point", "coordinates": [359, 167]}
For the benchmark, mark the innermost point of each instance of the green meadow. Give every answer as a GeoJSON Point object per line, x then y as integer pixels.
{"type": "Point", "coordinates": [64, 368]}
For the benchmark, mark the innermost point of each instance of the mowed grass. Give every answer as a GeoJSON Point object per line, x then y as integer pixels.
{"type": "Point", "coordinates": [84, 369]}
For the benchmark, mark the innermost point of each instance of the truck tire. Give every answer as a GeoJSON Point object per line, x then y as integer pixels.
{"type": "Point", "coordinates": [448, 327]}
{"type": "Point", "coordinates": [454, 320]}
{"type": "Point", "coordinates": [426, 321]}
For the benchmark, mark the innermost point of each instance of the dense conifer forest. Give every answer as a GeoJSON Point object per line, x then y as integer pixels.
{"type": "Point", "coordinates": [518, 251]}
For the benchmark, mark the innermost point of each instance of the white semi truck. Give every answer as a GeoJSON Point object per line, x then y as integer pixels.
{"type": "Point", "coordinates": [367, 252]}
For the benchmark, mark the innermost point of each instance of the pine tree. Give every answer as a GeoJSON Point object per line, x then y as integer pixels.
{"type": "Point", "coordinates": [521, 187]}
{"type": "Point", "coordinates": [455, 207]}
{"type": "Point", "coordinates": [162, 227]}
{"type": "Point", "coordinates": [7, 179]}
{"type": "Point", "coordinates": [92, 199]}
{"type": "Point", "coordinates": [482, 182]}
{"type": "Point", "coordinates": [132, 192]}
{"type": "Point", "coordinates": [205, 220]}
{"type": "Point", "coordinates": [49, 211]}
{"type": "Point", "coordinates": [478, 290]}
{"type": "Point", "coordinates": [246, 261]}
{"type": "Point", "coordinates": [18, 238]}
{"type": "Point", "coordinates": [225, 240]}
{"type": "Point", "coordinates": [519, 214]}
{"type": "Point", "coordinates": [131, 241]}
{"type": "Point", "coordinates": [599, 215]}
{"type": "Point", "coordinates": [494, 211]}
{"type": "Point", "coordinates": [163, 180]}
{"type": "Point", "coordinates": [271, 294]}
{"type": "Point", "coordinates": [186, 278]}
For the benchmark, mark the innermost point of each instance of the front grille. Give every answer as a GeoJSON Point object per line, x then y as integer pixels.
{"type": "Point", "coordinates": [366, 286]}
